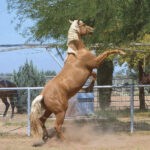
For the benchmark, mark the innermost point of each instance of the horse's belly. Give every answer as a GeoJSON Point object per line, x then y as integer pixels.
{"type": "Point", "coordinates": [58, 90]}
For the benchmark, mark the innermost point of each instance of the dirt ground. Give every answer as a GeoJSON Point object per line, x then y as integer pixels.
{"type": "Point", "coordinates": [79, 136]}
{"type": "Point", "coordinates": [81, 140]}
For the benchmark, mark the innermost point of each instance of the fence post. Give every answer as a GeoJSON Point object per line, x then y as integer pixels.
{"type": "Point", "coordinates": [131, 108]}
{"type": "Point", "coordinates": [28, 111]}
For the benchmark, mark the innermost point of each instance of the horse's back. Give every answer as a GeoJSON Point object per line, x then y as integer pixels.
{"type": "Point", "coordinates": [7, 83]}
{"type": "Point", "coordinates": [7, 93]}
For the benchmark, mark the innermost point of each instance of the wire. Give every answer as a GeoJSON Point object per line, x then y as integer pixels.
{"type": "Point", "coordinates": [13, 47]}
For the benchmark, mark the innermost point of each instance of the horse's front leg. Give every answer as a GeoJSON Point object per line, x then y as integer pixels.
{"type": "Point", "coordinates": [4, 100]}
{"type": "Point", "coordinates": [90, 87]}
{"type": "Point", "coordinates": [12, 103]}
{"type": "Point", "coordinates": [99, 59]}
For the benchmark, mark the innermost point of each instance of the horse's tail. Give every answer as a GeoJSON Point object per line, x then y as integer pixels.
{"type": "Point", "coordinates": [36, 111]}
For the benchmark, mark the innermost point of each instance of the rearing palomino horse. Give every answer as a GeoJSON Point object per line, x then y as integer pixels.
{"type": "Point", "coordinates": [77, 68]}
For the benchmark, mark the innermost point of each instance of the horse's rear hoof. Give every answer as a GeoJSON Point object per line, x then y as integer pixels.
{"type": "Point", "coordinates": [45, 138]}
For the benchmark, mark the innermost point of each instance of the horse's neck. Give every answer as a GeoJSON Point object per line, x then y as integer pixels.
{"type": "Point", "coordinates": [76, 45]}
{"type": "Point", "coordinates": [72, 35]}
{"type": "Point", "coordinates": [74, 40]}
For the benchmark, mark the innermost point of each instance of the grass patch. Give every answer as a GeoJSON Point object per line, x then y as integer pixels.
{"type": "Point", "coordinates": [22, 124]}
{"type": "Point", "coordinates": [114, 114]}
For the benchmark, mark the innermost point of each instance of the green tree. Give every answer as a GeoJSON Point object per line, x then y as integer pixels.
{"type": "Point", "coordinates": [116, 22]}
{"type": "Point", "coordinates": [140, 54]}
{"type": "Point", "coordinates": [28, 76]}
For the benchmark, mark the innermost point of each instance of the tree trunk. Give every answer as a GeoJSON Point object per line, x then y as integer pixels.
{"type": "Point", "coordinates": [141, 89]}
{"type": "Point", "coordinates": [142, 98]}
{"type": "Point", "coordinates": [104, 77]}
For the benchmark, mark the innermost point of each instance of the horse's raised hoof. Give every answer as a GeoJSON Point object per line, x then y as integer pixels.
{"type": "Point", "coordinates": [37, 144]}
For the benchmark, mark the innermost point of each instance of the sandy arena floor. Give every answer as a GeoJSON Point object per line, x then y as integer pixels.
{"type": "Point", "coordinates": [78, 137]}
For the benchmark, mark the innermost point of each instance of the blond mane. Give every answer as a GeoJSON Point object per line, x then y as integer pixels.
{"type": "Point", "coordinates": [73, 35]}
{"type": "Point", "coordinates": [73, 32]}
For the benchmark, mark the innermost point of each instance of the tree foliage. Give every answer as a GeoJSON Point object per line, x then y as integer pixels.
{"type": "Point", "coordinates": [115, 21]}
{"type": "Point", "coordinates": [28, 76]}
{"type": "Point", "coordinates": [136, 53]}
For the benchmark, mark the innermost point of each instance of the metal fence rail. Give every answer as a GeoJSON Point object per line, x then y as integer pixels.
{"type": "Point", "coordinates": [124, 103]}
{"type": "Point", "coordinates": [124, 107]}
{"type": "Point", "coordinates": [28, 89]}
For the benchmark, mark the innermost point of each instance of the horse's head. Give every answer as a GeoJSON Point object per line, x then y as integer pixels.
{"type": "Point", "coordinates": [76, 30]}
{"type": "Point", "coordinates": [80, 27]}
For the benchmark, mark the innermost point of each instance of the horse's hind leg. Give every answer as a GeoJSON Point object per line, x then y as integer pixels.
{"type": "Point", "coordinates": [58, 124]}
{"type": "Point", "coordinates": [4, 100]}
{"type": "Point", "coordinates": [42, 121]}
{"type": "Point", "coordinates": [12, 103]}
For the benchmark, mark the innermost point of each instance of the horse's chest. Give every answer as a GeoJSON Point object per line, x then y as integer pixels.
{"type": "Point", "coordinates": [87, 56]}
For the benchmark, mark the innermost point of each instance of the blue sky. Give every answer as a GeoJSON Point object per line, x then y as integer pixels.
{"type": "Point", "coordinates": [10, 61]}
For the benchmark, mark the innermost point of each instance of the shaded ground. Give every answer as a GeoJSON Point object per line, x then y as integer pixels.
{"type": "Point", "coordinates": [81, 139]}
{"type": "Point", "coordinates": [80, 135]}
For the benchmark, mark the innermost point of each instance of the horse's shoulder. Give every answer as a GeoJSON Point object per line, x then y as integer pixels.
{"type": "Point", "coordinates": [87, 54]}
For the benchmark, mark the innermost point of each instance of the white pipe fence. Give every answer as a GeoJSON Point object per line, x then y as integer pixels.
{"type": "Point", "coordinates": [28, 89]}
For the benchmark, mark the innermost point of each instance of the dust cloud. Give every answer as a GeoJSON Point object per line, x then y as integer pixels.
{"type": "Point", "coordinates": [80, 136]}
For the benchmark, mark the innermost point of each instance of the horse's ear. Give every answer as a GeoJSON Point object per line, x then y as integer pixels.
{"type": "Point", "coordinates": [78, 21]}
{"type": "Point", "coordinates": [70, 21]}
